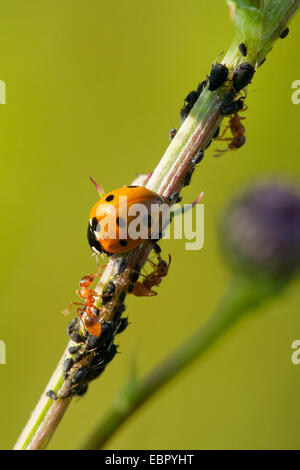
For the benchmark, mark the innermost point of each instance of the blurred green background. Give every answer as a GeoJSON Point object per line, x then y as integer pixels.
{"type": "Point", "coordinates": [93, 89]}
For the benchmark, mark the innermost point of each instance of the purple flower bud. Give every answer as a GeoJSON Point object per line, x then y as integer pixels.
{"type": "Point", "coordinates": [260, 230]}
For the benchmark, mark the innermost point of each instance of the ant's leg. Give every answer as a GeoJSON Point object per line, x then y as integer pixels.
{"type": "Point", "coordinates": [220, 152]}
{"type": "Point", "coordinates": [67, 311]}
{"type": "Point", "coordinates": [226, 139]}
{"type": "Point", "coordinates": [220, 137]}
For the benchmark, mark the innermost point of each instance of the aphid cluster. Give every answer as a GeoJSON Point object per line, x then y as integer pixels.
{"type": "Point", "coordinates": [94, 337]}
{"type": "Point", "coordinates": [93, 334]}
{"type": "Point", "coordinates": [190, 100]}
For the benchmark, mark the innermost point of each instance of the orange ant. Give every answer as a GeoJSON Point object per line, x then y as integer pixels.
{"type": "Point", "coordinates": [237, 129]}
{"type": "Point", "coordinates": [87, 311]}
{"type": "Point", "coordinates": [144, 288]}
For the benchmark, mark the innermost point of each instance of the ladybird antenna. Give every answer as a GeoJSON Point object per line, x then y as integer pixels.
{"type": "Point", "coordinates": [99, 189]}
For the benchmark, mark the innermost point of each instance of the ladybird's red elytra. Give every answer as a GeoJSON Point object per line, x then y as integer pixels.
{"type": "Point", "coordinates": [113, 210]}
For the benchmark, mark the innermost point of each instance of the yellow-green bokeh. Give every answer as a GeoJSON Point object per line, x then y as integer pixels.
{"type": "Point", "coordinates": [93, 89]}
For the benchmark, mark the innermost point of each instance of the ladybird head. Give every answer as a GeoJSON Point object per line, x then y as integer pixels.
{"type": "Point", "coordinates": [92, 239]}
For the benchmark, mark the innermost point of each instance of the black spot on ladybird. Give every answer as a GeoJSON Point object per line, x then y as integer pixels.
{"type": "Point", "coordinates": [132, 186]}
{"type": "Point", "coordinates": [123, 243]}
{"type": "Point", "coordinates": [109, 198]}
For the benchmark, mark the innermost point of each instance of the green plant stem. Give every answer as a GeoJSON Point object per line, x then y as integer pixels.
{"type": "Point", "coordinates": [242, 295]}
{"type": "Point", "coordinates": [259, 28]}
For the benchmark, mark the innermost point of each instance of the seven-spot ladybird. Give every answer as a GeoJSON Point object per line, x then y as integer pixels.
{"type": "Point", "coordinates": [110, 219]}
